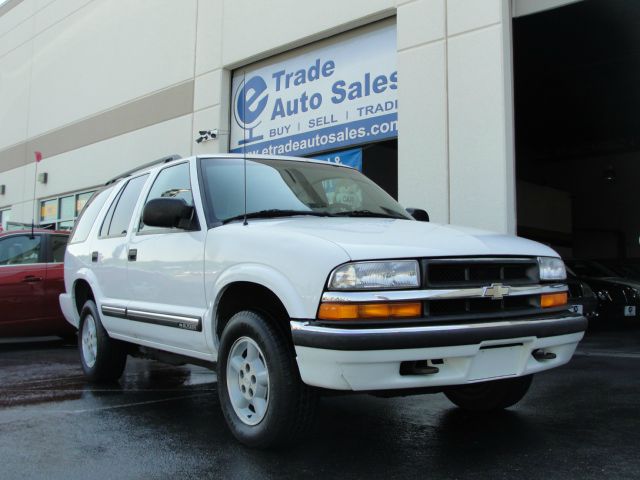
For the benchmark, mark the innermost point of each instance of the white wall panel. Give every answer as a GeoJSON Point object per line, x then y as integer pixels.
{"type": "Point", "coordinates": [423, 177]}
{"type": "Point", "coordinates": [15, 183]}
{"type": "Point", "coordinates": [420, 22]}
{"type": "Point", "coordinates": [16, 37]}
{"type": "Point", "coordinates": [109, 53]}
{"type": "Point", "coordinates": [465, 15]}
{"type": "Point", "coordinates": [207, 90]}
{"type": "Point", "coordinates": [14, 95]}
{"type": "Point", "coordinates": [52, 12]}
{"type": "Point", "coordinates": [209, 36]}
{"type": "Point", "coordinates": [16, 16]}
{"type": "Point", "coordinates": [477, 131]}
{"type": "Point", "coordinates": [97, 163]}
{"type": "Point", "coordinates": [22, 209]}
{"type": "Point", "coordinates": [257, 29]}
{"type": "Point", "coordinates": [93, 165]}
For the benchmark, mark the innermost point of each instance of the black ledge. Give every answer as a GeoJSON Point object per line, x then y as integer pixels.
{"type": "Point", "coordinates": [432, 336]}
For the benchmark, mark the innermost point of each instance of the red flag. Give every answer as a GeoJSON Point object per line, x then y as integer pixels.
{"type": "Point", "coordinates": [38, 156]}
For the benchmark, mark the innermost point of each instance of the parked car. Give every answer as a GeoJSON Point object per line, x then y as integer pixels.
{"type": "Point", "coordinates": [31, 280]}
{"type": "Point", "coordinates": [625, 268]}
{"type": "Point", "coordinates": [582, 299]}
{"type": "Point", "coordinates": [310, 278]}
{"type": "Point", "coordinates": [618, 298]}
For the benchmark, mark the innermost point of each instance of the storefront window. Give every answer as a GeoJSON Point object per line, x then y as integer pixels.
{"type": "Point", "coordinates": [81, 201]}
{"type": "Point", "coordinates": [49, 210]}
{"type": "Point", "coordinates": [67, 207]}
{"type": "Point", "coordinates": [5, 216]}
{"type": "Point", "coordinates": [60, 213]}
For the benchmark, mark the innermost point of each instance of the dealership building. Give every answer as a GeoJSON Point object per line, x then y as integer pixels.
{"type": "Point", "coordinates": [509, 115]}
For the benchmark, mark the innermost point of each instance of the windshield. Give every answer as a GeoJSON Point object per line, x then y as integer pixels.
{"type": "Point", "coordinates": [621, 269]}
{"type": "Point", "coordinates": [285, 187]}
{"type": "Point", "coordinates": [586, 268]}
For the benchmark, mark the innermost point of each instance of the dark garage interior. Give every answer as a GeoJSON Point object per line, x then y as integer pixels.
{"type": "Point", "coordinates": [577, 123]}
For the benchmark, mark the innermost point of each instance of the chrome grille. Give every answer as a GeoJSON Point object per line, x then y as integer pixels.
{"type": "Point", "coordinates": [480, 272]}
{"type": "Point", "coordinates": [477, 272]}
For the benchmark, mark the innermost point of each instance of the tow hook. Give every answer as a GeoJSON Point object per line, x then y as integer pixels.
{"type": "Point", "coordinates": [420, 367]}
{"type": "Point", "coordinates": [541, 355]}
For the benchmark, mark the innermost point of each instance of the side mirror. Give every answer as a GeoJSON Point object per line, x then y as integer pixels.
{"type": "Point", "coordinates": [167, 213]}
{"type": "Point", "coordinates": [418, 214]}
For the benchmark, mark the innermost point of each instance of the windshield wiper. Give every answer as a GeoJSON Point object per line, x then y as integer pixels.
{"type": "Point", "coordinates": [276, 212]}
{"type": "Point", "coordinates": [367, 213]}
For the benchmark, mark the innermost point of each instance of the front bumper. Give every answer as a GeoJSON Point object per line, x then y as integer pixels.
{"type": "Point", "coordinates": [370, 359]}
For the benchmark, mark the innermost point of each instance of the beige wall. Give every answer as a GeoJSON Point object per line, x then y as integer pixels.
{"type": "Point", "coordinates": [456, 121]}
{"type": "Point", "coordinates": [108, 65]}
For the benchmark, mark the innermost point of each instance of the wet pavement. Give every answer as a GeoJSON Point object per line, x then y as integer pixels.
{"type": "Point", "coordinates": [160, 421]}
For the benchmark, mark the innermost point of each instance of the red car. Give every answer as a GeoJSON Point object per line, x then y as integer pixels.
{"type": "Point", "coordinates": [31, 279]}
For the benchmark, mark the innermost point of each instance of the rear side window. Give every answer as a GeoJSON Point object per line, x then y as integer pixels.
{"type": "Point", "coordinates": [118, 218]}
{"type": "Point", "coordinates": [20, 250]}
{"type": "Point", "coordinates": [88, 216]}
{"type": "Point", "coordinates": [58, 247]}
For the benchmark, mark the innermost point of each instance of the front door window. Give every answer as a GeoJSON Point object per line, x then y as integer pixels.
{"type": "Point", "coordinates": [20, 250]}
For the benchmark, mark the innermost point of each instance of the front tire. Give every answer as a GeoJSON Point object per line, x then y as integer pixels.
{"type": "Point", "coordinates": [103, 359]}
{"type": "Point", "coordinates": [263, 399]}
{"type": "Point", "coordinates": [490, 396]}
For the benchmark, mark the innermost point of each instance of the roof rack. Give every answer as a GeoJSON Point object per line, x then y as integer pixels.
{"type": "Point", "coordinates": [128, 173]}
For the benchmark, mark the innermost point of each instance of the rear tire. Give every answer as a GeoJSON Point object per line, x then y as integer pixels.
{"type": "Point", "coordinates": [263, 399]}
{"type": "Point", "coordinates": [490, 396]}
{"type": "Point", "coordinates": [103, 359]}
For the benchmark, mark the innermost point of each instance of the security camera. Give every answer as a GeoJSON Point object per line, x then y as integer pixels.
{"type": "Point", "coordinates": [206, 135]}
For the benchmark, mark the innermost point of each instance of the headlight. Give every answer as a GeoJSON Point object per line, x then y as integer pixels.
{"type": "Point", "coordinates": [604, 295]}
{"type": "Point", "coordinates": [631, 294]}
{"type": "Point", "coordinates": [375, 275]}
{"type": "Point", "coordinates": [552, 268]}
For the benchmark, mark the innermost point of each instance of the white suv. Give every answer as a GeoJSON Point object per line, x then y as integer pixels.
{"type": "Point", "coordinates": [314, 277]}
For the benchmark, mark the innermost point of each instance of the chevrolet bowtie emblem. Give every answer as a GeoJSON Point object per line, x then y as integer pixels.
{"type": "Point", "coordinates": [496, 291]}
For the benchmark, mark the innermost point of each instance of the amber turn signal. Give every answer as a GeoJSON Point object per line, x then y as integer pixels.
{"type": "Point", "coordinates": [553, 300]}
{"type": "Point", "coordinates": [350, 311]}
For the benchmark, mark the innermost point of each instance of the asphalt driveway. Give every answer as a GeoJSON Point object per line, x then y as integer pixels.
{"type": "Point", "coordinates": [160, 421]}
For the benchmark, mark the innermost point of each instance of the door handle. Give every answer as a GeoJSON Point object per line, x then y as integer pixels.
{"type": "Point", "coordinates": [31, 279]}
{"type": "Point", "coordinates": [133, 255]}
{"type": "Point", "coordinates": [94, 257]}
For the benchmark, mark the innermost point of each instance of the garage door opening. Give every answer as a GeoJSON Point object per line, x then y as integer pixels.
{"type": "Point", "coordinates": [577, 112]}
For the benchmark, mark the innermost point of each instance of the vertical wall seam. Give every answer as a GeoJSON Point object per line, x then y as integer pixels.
{"type": "Point", "coordinates": [28, 125]}
{"type": "Point", "coordinates": [226, 87]}
{"type": "Point", "coordinates": [511, 199]}
{"type": "Point", "coordinates": [195, 62]}
{"type": "Point", "coordinates": [447, 120]}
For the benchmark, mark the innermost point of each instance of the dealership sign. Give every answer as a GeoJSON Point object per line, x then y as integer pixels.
{"type": "Point", "coordinates": [350, 158]}
{"type": "Point", "coordinates": [328, 98]}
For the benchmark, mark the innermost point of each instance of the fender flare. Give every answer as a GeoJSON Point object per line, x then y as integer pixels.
{"type": "Point", "coordinates": [266, 277]}
{"type": "Point", "coordinates": [88, 276]}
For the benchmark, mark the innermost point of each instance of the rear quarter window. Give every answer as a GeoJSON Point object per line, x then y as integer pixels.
{"type": "Point", "coordinates": [118, 218]}
{"type": "Point", "coordinates": [88, 216]}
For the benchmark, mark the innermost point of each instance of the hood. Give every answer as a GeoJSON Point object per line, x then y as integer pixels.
{"type": "Point", "coordinates": [370, 238]}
